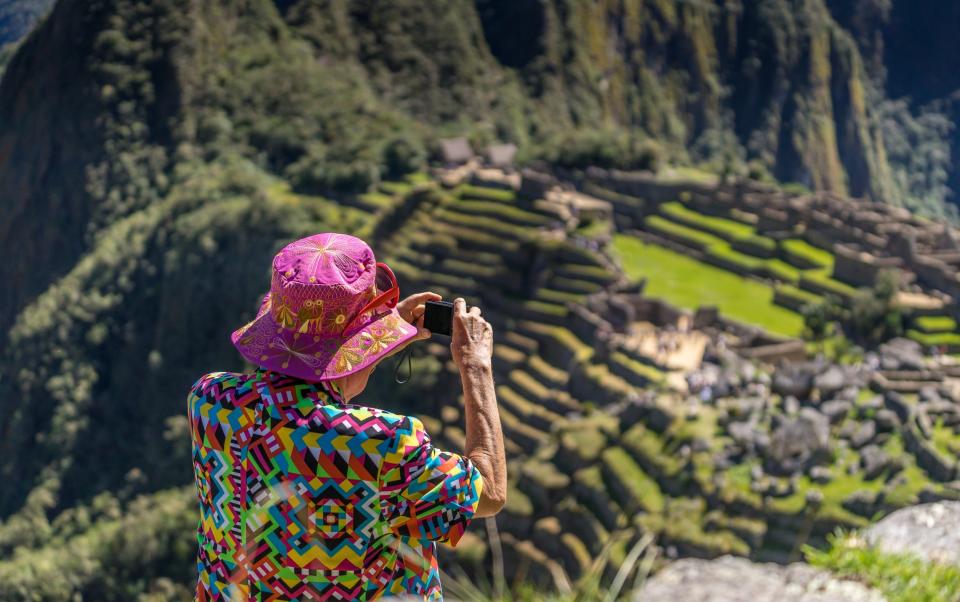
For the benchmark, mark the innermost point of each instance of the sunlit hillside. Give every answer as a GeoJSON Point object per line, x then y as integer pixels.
{"type": "Point", "coordinates": [715, 240]}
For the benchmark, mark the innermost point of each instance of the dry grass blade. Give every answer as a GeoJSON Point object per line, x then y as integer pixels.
{"type": "Point", "coordinates": [629, 562]}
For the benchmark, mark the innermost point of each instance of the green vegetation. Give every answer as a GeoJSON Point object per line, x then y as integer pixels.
{"type": "Point", "coordinates": [801, 296]}
{"type": "Point", "coordinates": [741, 261]}
{"type": "Point", "coordinates": [931, 324]}
{"type": "Point", "coordinates": [945, 439]}
{"type": "Point", "coordinates": [803, 254]}
{"type": "Point", "coordinates": [640, 489]}
{"type": "Point", "coordinates": [485, 193]}
{"type": "Point", "coordinates": [689, 283]}
{"type": "Point", "coordinates": [823, 283]}
{"type": "Point", "coordinates": [205, 136]}
{"type": "Point", "coordinates": [783, 271]}
{"type": "Point", "coordinates": [509, 213]}
{"type": "Point", "coordinates": [732, 244]}
{"type": "Point", "coordinates": [726, 229]}
{"type": "Point", "coordinates": [690, 236]}
{"type": "Point", "coordinates": [647, 445]}
{"type": "Point", "coordinates": [936, 339]}
{"type": "Point", "coordinates": [149, 544]}
{"type": "Point", "coordinates": [644, 371]}
{"type": "Point", "coordinates": [899, 577]}
{"type": "Point", "coordinates": [866, 315]}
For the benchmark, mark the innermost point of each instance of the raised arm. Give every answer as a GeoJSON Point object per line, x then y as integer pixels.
{"type": "Point", "coordinates": [471, 346]}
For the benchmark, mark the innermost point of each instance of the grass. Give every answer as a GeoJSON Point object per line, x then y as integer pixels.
{"type": "Point", "coordinates": [803, 296]}
{"type": "Point", "coordinates": [646, 371]}
{"type": "Point", "coordinates": [646, 444]}
{"type": "Point", "coordinates": [508, 213]}
{"type": "Point", "coordinates": [580, 350]}
{"type": "Point", "coordinates": [587, 443]}
{"type": "Point", "coordinates": [934, 339]}
{"type": "Point", "coordinates": [727, 229]}
{"type": "Point", "coordinates": [643, 490]}
{"type": "Point", "coordinates": [914, 480]}
{"type": "Point", "coordinates": [683, 522]}
{"type": "Point", "coordinates": [823, 281]}
{"type": "Point", "coordinates": [395, 188]}
{"type": "Point", "coordinates": [746, 262]}
{"type": "Point", "coordinates": [595, 273]}
{"type": "Point", "coordinates": [697, 239]}
{"type": "Point", "coordinates": [945, 439]}
{"type": "Point", "coordinates": [834, 492]}
{"type": "Point", "coordinates": [418, 177]}
{"type": "Point", "coordinates": [689, 283]}
{"type": "Point", "coordinates": [806, 253]}
{"type": "Point", "coordinates": [483, 193]}
{"type": "Point", "coordinates": [781, 270]}
{"type": "Point", "coordinates": [517, 502]}
{"type": "Point", "coordinates": [931, 324]}
{"type": "Point", "coordinates": [900, 577]}
{"type": "Point", "coordinates": [489, 225]}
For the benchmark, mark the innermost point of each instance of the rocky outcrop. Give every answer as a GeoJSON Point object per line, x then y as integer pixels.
{"type": "Point", "coordinates": [928, 531]}
{"type": "Point", "coordinates": [730, 579]}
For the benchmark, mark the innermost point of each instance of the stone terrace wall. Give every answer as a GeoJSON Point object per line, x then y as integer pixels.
{"type": "Point", "coordinates": [865, 236]}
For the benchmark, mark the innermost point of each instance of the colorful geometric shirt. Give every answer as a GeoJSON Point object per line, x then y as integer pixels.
{"type": "Point", "coordinates": [306, 498]}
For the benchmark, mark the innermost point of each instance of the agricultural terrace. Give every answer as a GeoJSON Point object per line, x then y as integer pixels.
{"type": "Point", "coordinates": [688, 283]}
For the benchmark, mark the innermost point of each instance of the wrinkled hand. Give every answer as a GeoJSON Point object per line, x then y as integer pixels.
{"type": "Point", "coordinates": [471, 342]}
{"type": "Point", "coordinates": [411, 309]}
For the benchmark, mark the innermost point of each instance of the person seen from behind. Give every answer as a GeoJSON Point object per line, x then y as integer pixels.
{"type": "Point", "coordinates": [306, 496]}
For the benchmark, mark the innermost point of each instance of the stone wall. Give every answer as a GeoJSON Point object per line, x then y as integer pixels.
{"type": "Point", "coordinates": [865, 236]}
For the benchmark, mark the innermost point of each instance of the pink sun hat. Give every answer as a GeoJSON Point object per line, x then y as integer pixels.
{"type": "Point", "coordinates": [330, 312]}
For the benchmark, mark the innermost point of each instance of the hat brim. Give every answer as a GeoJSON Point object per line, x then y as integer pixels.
{"type": "Point", "coordinates": [267, 344]}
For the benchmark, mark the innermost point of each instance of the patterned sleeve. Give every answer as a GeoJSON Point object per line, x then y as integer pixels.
{"type": "Point", "coordinates": [426, 493]}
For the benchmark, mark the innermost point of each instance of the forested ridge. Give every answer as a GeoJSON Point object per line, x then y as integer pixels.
{"type": "Point", "coordinates": [155, 155]}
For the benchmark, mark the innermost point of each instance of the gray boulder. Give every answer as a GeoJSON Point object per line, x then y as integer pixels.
{"type": "Point", "coordinates": [902, 354]}
{"type": "Point", "coordinates": [886, 420]}
{"type": "Point", "coordinates": [732, 579]}
{"type": "Point", "coordinates": [798, 442]}
{"type": "Point", "coordinates": [821, 474]}
{"type": "Point", "coordinates": [928, 530]}
{"type": "Point", "coordinates": [830, 381]}
{"type": "Point", "coordinates": [862, 502]}
{"type": "Point", "coordinates": [836, 410]}
{"type": "Point", "coordinates": [874, 461]}
{"type": "Point", "coordinates": [864, 434]}
{"type": "Point", "coordinates": [795, 380]}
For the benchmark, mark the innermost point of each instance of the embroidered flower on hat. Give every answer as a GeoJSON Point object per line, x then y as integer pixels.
{"type": "Point", "coordinates": [325, 315]}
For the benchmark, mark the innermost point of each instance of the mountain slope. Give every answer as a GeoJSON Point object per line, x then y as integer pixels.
{"type": "Point", "coordinates": [17, 17]}
{"type": "Point", "coordinates": [154, 156]}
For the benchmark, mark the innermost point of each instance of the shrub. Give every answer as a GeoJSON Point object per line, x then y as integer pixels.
{"type": "Point", "coordinates": [607, 148]}
{"type": "Point", "coordinates": [403, 155]}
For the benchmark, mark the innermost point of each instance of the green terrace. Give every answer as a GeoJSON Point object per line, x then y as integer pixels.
{"type": "Point", "coordinates": [389, 193]}
{"type": "Point", "coordinates": [688, 283]}
{"type": "Point", "coordinates": [735, 246]}
{"type": "Point", "coordinates": [578, 475]}
{"type": "Point", "coordinates": [935, 331]}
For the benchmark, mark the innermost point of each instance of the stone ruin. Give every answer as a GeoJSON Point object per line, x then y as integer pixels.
{"type": "Point", "coordinates": [619, 371]}
{"type": "Point", "coordinates": [865, 236]}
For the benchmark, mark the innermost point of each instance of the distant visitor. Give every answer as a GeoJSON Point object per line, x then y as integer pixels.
{"type": "Point", "coordinates": [305, 496]}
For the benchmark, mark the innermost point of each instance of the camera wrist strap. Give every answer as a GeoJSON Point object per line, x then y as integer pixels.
{"type": "Point", "coordinates": [404, 355]}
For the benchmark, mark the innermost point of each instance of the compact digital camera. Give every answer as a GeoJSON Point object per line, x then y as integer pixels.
{"type": "Point", "coordinates": [438, 317]}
